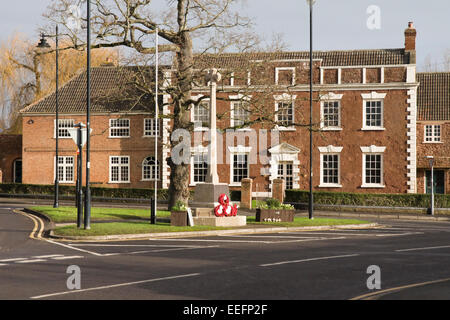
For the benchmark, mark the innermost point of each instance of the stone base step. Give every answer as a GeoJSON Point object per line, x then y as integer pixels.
{"type": "Point", "coordinates": [203, 212]}
{"type": "Point", "coordinates": [236, 221]}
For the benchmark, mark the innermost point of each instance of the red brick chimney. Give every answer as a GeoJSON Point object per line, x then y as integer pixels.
{"type": "Point", "coordinates": [410, 42]}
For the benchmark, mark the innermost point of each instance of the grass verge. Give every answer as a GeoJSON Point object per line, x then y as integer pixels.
{"type": "Point", "coordinates": [69, 214]}
{"type": "Point", "coordinates": [130, 227]}
{"type": "Point", "coordinates": [137, 227]}
{"type": "Point", "coordinates": [306, 222]}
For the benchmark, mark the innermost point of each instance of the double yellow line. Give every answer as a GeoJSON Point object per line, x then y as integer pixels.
{"type": "Point", "coordinates": [39, 225]}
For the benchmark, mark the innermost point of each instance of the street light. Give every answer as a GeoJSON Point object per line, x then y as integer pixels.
{"type": "Point", "coordinates": [87, 196]}
{"type": "Point", "coordinates": [431, 161]}
{"type": "Point", "coordinates": [44, 45]}
{"type": "Point", "coordinates": [311, 199]}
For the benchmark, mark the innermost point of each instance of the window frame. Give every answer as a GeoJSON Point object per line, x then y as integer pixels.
{"type": "Point", "coordinates": [64, 167]}
{"type": "Point", "coordinates": [284, 175]}
{"type": "Point", "coordinates": [434, 138]}
{"type": "Point", "coordinates": [233, 114]}
{"type": "Point", "coordinates": [119, 165]}
{"type": "Point", "coordinates": [111, 127]}
{"type": "Point", "coordinates": [55, 129]}
{"type": "Point", "coordinates": [201, 127]}
{"type": "Point", "coordinates": [193, 163]}
{"type": "Point", "coordinates": [239, 150]}
{"type": "Point", "coordinates": [232, 177]}
{"type": "Point", "coordinates": [153, 132]}
{"type": "Point", "coordinates": [332, 151]}
{"type": "Point", "coordinates": [373, 97]}
{"type": "Point", "coordinates": [372, 150]}
{"type": "Point", "coordinates": [285, 98]}
{"type": "Point", "coordinates": [277, 78]}
{"type": "Point", "coordinates": [323, 125]}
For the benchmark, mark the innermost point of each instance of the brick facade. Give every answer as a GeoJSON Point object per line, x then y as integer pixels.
{"type": "Point", "coordinates": [41, 149]}
{"type": "Point", "coordinates": [10, 152]}
{"type": "Point", "coordinates": [358, 81]}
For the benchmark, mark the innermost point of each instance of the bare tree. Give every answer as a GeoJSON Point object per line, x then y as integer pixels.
{"type": "Point", "coordinates": [133, 23]}
{"type": "Point", "coordinates": [443, 65]}
{"type": "Point", "coordinates": [28, 74]}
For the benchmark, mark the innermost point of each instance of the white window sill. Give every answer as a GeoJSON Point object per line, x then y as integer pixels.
{"type": "Point", "coordinates": [330, 185]}
{"type": "Point", "coordinates": [373, 129]}
{"type": "Point", "coordinates": [118, 182]}
{"type": "Point", "coordinates": [330, 129]}
{"type": "Point", "coordinates": [374, 186]}
{"type": "Point", "coordinates": [201, 129]}
{"type": "Point", "coordinates": [149, 136]}
{"type": "Point", "coordinates": [286, 129]}
{"type": "Point", "coordinates": [142, 180]}
{"type": "Point", "coordinates": [124, 137]}
{"type": "Point", "coordinates": [433, 142]}
{"type": "Point", "coordinates": [243, 129]}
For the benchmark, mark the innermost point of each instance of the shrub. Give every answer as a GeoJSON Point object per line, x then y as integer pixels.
{"type": "Point", "coordinates": [273, 204]}
{"type": "Point", "coordinates": [369, 199]}
{"type": "Point", "coordinates": [179, 206]}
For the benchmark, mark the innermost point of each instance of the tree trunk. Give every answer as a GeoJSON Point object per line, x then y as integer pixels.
{"type": "Point", "coordinates": [179, 174]}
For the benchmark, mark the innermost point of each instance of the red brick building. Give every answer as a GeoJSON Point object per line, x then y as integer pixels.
{"type": "Point", "coordinates": [433, 131]}
{"type": "Point", "coordinates": [10, 158]}
{"type": "Point", "coordinates": [364, 114]}
{"type": "Point", "coordinates": [122, 138]}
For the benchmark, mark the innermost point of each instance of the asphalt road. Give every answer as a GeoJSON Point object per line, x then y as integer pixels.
{"type": "Point", "coordinates": [413, 258]}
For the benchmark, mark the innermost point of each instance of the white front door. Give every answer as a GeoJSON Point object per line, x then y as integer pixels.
{"type": "Point", "coordinates": [285, 172]}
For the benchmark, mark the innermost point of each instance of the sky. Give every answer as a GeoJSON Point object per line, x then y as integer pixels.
{"type": "Point", "coordinates": [337, 24]}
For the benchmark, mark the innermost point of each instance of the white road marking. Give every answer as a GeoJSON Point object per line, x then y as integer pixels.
{"type": "Point", "coordinates": [115, 285]}
{"type": "Point", "coordinates": [12, 260]}
{"type": "Point", "coordinates": [68, 257]}
{"type": "Point", "coordinates": [48, 256]}
{"type": "Point", "coordinates": [73, 248]}
{"type": "Point", "coordinates": [339, 232]}
{"type": "Point", "coordinates": [31, 261]}
{"type": "Point", "coordinates": [424, 248]}
{"type": "Point", "coordinates": [128, 245]}
{"type": "Point", "coordinates": [225, 241]}
{"type": "Point", "coordinates": [306, 260]}
{"type": "Point", "coordinates": [3, 264]}
{"type": "Point", "coordinates": [398, 234]}
{"type": "Point", "coordinates": [263, 236]}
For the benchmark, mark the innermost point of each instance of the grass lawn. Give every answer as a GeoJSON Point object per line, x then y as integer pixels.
{"type": "Point", "coordinates": [69, 214]}
{"type": "Point", "coordinates": [130, 227]}
{"type": "Point", "coordinates": [306, 222]}
{"type": "Point", "coordinates": [136, 227]}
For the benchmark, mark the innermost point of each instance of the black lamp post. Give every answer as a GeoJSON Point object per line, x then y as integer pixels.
{"type": "Point", "coordinates": [44, 45]}
{"type": "Point", "coordinates": [87, 196]}
{"type": "Point", "coordinates": [431, 161]}
{"type": "Point", "coordinates": [311, 199]}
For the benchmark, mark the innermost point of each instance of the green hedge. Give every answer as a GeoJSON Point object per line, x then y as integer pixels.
{"type": "Point", "coordinates": [102, 192]}
{"type": "Point", "coordinates": [32, 189]}
{"type": "Point", "coordinates": [369, 199]}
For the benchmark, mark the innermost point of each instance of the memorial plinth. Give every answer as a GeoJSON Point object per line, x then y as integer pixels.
{"type": "Point", "coordinates": [206, 217]}
{"type": "Point", "coordinates": [207, 194]}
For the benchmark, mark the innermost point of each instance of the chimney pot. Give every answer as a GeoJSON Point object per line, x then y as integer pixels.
{"type": "Point", "coordinates": [410, 42]}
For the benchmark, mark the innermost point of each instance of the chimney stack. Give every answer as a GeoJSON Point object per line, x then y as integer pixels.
{"type": "Point", "coordinates": [410, 42]}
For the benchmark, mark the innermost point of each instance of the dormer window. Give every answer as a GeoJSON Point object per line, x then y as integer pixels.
{"type": "Point", "coordinates": [285, 76]}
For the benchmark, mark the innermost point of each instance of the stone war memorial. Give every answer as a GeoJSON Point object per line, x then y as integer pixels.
{"type": "Point", "coordinates": [212, 200]}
